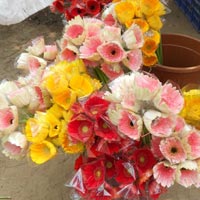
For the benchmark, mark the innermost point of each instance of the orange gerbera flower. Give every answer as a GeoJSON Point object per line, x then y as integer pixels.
{"type": "Point", "coordinates": [142, 24]}
{"type": "Point", "coordinates": [150, 60]}
{"type": "Point", "coordinates": [149, 46]}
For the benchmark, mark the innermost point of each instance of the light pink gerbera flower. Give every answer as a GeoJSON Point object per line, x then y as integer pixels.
{"type": "Point", "coordinates": [111, 52]}
{"type": "Point", "coordinates": [50, 52]}
{"type": "Point", "coordinates": [130, 125]}
{"type": "Point", "coordinates": [192, 144]}
{"type": "Point", "coordinates": [172, 149]}
{"type": "Point", "coordinates": [14, 145]}
{"type": "Point", "coordinates": [180, 124]}
{"type": "Point", "coordinates": [89, 49]}
{"type": "Point", "coordinates": [133, 37]}
{"type": "Point", "coordinates": [133, 60]}
{"type": "Point", "coordinates": [159, 124]}
{"type": "Point", "coordinates": [146, 86]}
{"type": "Point", "coordinates": [8, 119]}
{"type": "Point", "coordinates": [164, 174]}
{"type": "Point", "coordinates": [155, 147]}
{"type": "Point", "coordinates": [92, 30]}
{"type": "Point", "coordinates": [111, 33]}
{"type": "Point", "coordinates": [112, 70]}
{"type": "Point", "coordinates": [169, 99]}
{"type": "Point", "coordinates": [187, 173]}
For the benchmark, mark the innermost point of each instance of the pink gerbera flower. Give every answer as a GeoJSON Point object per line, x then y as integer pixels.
{"type": "Point", "coordinates": [111, 52]}
{"type": "Point", "coordinates": [74, 31]}
{"type": "Point", "coordinates": [146, 86]}
{"type": "Point", "coordinates": [187, 173]}
{"type": "Point", "coordinates": [133, 60]}
{"type": "Point", "coordinates": [192, 144]}
{"type": "Point", "coordinates": [130, 125]}
{"type": "Point", "coordinates": [80, 128]}
{"type": "Point", "coordinates": [169, 99]}
{"type": "Point", "coordinates": [68, 54]}
{"type": "Point", "coordinates": [164, 174]}
{"type": "Point", "coordinates": [173, 150]}
{"type": "Point", "coordinates": [155, 143]}
{"type": "Point", "coordinates": [8, 119]}
{"type": "Point", "coordinates": [89, 49]}
{"type": "Point", "coordinates": [112, 71]}
{"type": "Point", "coordinates": [109, 20]}
{"type": "Point", "coordinates": [180, 124]}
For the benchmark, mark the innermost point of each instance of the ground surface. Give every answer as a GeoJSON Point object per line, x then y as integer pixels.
{"type": "Point", "coordinates": [22, 180]}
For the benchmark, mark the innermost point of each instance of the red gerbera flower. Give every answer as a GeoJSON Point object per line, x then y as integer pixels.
{"type": "Point", "coordinates": [93, 174]}
{"type": "Point", "coordinates": [125, 172]}
{"type": "Point", "coordinates": [104, 129]}
{"type": "Point", "coordinates": [110, 167]}
{"type": "Point", "coordinates": [58, 5]}
{"type": "Point", "coordinates": [80, 128]}
{"type": "Point", "coordinates": [93, 7]}
{"type": "Point", "coordinates": [144, 159]}
{"type": "Point", "coordinates": [92, 149]}
{"type": "Point", "coordinates": [77, 10]}
{"type": "Point", "coordinates": [95, 105]}
{"type": "Point", "coordinates": [78, 162]}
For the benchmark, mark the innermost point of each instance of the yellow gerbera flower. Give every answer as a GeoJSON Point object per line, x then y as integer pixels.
{"type": "Point", "coordinates": [42, 152]}
{"type": "Point", "coordinates": [56, 110]}
{"type": "Point", "coordinates": [155, 22]}
{"type": "Point", "coordinates": [150, 60]}
{"type": "Point", "coordinates": [155, 35]}
{"type": "Point", "coordinates": [37, 128]}
{"type": "Point", "coordinates": [67, 145]}
{"type": "Point", "coordinates": [142, 24]}
{"type": "Point", "coordinates": [191, 109]}
{"type": "Point", "coordinates": [125, 11]}
{"type": "Point", "coordinates": [148, 7]}
{"type": "Point", "coordinates": [149, 46]}
{"type": "Point", "coordinates": [65, 99]}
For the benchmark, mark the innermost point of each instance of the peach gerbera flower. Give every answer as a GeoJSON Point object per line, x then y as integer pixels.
{"type": "Point", "coordinates": [173, 150]}
{"type": "Point", "coordinates": [150, 60]}
{"type": "Point", "coordinates": [149, 46]}
{"type": "Point", "coordinates": [164, 174]}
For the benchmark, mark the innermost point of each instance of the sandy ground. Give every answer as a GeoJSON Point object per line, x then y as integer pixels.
{"type": "Point", "coordinates": [21, 180]}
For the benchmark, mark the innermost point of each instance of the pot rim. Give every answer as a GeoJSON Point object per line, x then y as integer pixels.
{"type": "Point", "coordinates": [177, 70]}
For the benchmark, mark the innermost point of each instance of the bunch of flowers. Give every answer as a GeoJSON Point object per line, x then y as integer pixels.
{"type": "Point", "coordinates": [145, 13]}
{"type": "Point", "coordinates": [101, 45]}
{"type": "Point", "coordinates": [134, 141]}
{"type": "Point", "coordinates": [72, 8]}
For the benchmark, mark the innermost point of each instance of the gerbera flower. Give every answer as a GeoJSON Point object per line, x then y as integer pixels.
{"type": "Point", "coordinates": [14, 145]}
{"type": "Point", "coordinates": [74, 11]}
{"type": "Point", "coordinates": [89, 49]}
{"type": "Point", "coordinates": [109, 20]}
{"type": "Point", "coordinates": [191, 144]}
{"type": "Point", "coordinates": [159, 124]}
{"type": "Point", "coordinates": [42, 152]}
{"type": "Point", "coordinates": [96, 105]}
{"type": "Point", "coordinates": [93, 174]}
{"type": "Point", "coordinates": [187, 173]}
{"type": "Point", "coordinates": [169, 99]}
{"type": "Point", "coordinates": [164, 174]}
{"type": "Point", "coordinates": [172, 149]}
{"type": "Point", "coordinates": [144, 26]}
{"type": "Point", "coordinates": [125, 11]}
{"type": "Point", "coordinates": [133, 60]}
{"type": "Point", "coordinates": [93, 7]}
{"type": "Point", "coordinates": [133, 37]}
{"type": "Point", "coordinates": [112, 71]}
{"type": "Point", "coordinates": [3, 101]}
{"type": "Point", "coordinates": [150, 60]}
{"type": "Point", "coordinates": [105, 129]}
{"type": "Point", "coordinates": [130, 125]}
{"type": "Point", "coordinates": [110, 167]}
{"type": "Point", "coordinates": [155, 190]}
{"type": "Point", "coordinates": [155, 22]}
{"type": "Point", "coordinates": [58, 5]}
{"type": "Point", "coordinates": [68, 54]}
{"type": "Point", "coordinates": [143, 159]}
{"type": "Point", "coordinates": [8, 119]}
{"type": "Point", "coordinates": [111, 52]}
{"type": "Point", "coordinates": [37, 128]}
{"type": "Point", "coordinates": [50, 52]}
{"type": "Point", "coordinates": [80, 128]}
{"type": "Point", "coordinates": [149, 46]}
{"type": "Point", "coordinates": [125, 173]}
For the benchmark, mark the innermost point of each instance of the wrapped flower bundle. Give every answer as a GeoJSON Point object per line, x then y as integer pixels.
{"type": "Point", "coordinates": [124, 124]}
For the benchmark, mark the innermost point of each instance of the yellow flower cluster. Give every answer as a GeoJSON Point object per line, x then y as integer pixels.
{"type": "Point", "coordinates": [146, 14]}
{"type": "Point", "coordinates": [191, 111]}
{"type": "Point", "coordinates": [66, 82]}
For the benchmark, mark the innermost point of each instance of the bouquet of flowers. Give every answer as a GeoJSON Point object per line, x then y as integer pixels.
{"type": "Point", "coordinates": [130, 139]}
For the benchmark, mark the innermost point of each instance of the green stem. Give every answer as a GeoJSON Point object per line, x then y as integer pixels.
{"type": "Point", "coordinates": [159, 52]}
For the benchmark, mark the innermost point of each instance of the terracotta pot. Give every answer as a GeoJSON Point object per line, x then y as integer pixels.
{"type": "Point", "coordinates": [181, 60]}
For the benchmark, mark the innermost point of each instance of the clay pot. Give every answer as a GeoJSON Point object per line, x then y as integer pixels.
{"type": "Point", "coordinates": [181, 60]}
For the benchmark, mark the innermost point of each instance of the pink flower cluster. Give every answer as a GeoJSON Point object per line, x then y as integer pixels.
{"type": "Point", "coordinates": [99, 44]}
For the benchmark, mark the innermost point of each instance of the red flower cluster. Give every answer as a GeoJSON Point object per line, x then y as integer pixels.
{"type": "Point", "coordinates": [72, 8]}
{"type": "Point", "coordinates": [112, 166]}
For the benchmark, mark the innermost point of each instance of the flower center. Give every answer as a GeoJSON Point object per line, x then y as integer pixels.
{"type": "Point", "coordinates": [85, 129]}
{"type": "Point", "coordinates": [105, 126]}
{"type": "Point", "coordinates": [113, 52]}
{"type": "Point", "coordinates": [98, 174]}
{"type": "Point", "coordinates": [142, 159]}
{"type": "Point", "coordinates": [174, 150]}
{"type": "Point", "coordinates": [108, 165]}
{"type": "Point", "coordinates": [132, 123]}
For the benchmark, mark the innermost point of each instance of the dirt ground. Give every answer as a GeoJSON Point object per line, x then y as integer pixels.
{"type": "Point", "coordinates": [21, 180]}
